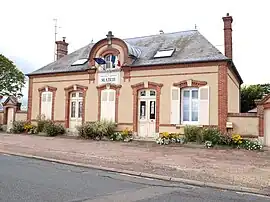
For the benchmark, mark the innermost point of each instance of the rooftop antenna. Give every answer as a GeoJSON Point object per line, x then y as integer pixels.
{"type": "Point", "coordinates": [55, 37]}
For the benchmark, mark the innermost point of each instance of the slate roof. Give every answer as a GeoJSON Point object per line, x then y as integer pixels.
{"type": "Point", "coordinates": [190, 46]}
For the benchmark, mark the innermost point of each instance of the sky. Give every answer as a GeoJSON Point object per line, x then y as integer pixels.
{"type": "Point", "coordinates": [27, 27]}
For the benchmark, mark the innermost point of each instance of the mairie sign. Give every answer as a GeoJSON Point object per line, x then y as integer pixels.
{"type": "Point", "coordinates": [109, 78]}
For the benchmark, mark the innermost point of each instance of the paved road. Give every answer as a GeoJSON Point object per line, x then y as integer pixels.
{"type": "Point", "coordinates": [23, 179]}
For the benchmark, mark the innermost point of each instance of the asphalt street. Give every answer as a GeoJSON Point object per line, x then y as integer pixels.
{"type": "Point", "coordinates": [28, 180]}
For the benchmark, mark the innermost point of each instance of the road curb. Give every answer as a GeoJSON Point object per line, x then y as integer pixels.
{"type": "Point", "coordinates": [146, 175]}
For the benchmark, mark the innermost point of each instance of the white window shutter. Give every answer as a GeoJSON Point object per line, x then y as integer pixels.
{"type": "Point", "coordinates": [104, 98]}
{"type": "Point", "coordinates": [49, 105]}
{"type": "Point", "coordinates": [46, 105]}
{"type": "Point", "coordinates": [204, 105]}
{"type": "Point", "coordinates": [43, 104]}
{"type": "Point", "coordinates": [111, 105]}
{"type": "Point", "coordinates": [175, 105]}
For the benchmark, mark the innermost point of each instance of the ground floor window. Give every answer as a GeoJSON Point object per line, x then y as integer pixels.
{"type": "Point", "coordinates": [46, 104]}
{"type": "Point", "coordinates": [108, 105]}
{"type": "Point", "coordinates": [190, 106]}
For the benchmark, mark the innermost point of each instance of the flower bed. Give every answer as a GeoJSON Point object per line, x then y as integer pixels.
{"type": "Point", "coordinates": [210, 137]}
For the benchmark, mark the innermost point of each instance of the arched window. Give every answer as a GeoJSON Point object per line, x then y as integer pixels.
{"type": "Point", "coordinates": [111, 61]}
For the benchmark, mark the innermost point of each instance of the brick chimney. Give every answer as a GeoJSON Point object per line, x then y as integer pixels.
{"type": "Point", "coordinates": [228, 35]}
{"type": "Point", "coordinates": [62, 48]}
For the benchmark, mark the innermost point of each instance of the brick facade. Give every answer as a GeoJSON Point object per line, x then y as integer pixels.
{"type": "Point", "coordinates": [222, 97]}
{"type": "Point", "coordinates": [228, 35]}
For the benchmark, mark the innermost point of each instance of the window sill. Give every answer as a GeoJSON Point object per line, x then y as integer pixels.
{"type": "Point", "coordinates": [183, 125]}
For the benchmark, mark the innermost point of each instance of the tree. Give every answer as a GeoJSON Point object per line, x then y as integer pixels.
{"type": "Point", "coordinates": [12, 80]}
{"type": "Point", "coordinates": [251, 93]}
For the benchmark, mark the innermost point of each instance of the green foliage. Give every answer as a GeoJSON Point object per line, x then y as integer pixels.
{"type": "Point", "coordinates": [251, 145]}
{"type": "Point", "coordinates": [53, 129]}
{"type": "Point", "coordinates": [193, 134]}
{"type": "Point", "coordinates": [41, 123]}
{"type": "Point", "coordinates": [1, 128]}
{"type": "Point", "coordinates": [97, 130]}
{"type": "Point", "coordinates": [18, 127]}
{"type": "Point", "coordinates": [167, 138]}
{"type": "Point", "coordinates": [12, 80]}
{"type": "Point", "coordinates": [251, 93]}
{"type": "Point", "coordinates": [33, 130]}
{"type": "Point", "coordinates": [225, 139]}
{"type": "Point", "coordinates": [211, 134]}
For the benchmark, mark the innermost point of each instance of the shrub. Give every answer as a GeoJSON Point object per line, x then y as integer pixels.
{"type": "Point", "coordinates": [41, 123]}
{"type": "Point", "coordinates": [53, 129]}
{"type": "Point", "coordinates": [1, 127]}
{"type": "Point", "coordinates": [126, 134]}
{"type": "Point", "coordinates": [33, 130]}
{"type": "Point", "coordinates": [225, 139]}
{"type": "Point", "coordinates": [97, 130]}
{"type": "Point", "coordinates": [18, 127]}
{"type": "Point", "coordinates": [211, 134]}
{"type": "Point", "coordinates": [192, 134]}
{"type": "Point", "coordinates": [27, 126]}
{"type": "Point", "coordinates": [86, 130]}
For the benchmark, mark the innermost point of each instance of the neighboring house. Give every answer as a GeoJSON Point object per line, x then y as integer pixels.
{"type": "Point", "coordinates": [149, 84]}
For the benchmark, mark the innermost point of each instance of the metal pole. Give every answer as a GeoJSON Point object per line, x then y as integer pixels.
{"type": "Point", "coordinates": [55, 34]}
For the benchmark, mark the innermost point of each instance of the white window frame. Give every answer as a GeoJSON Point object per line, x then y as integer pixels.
{"type": "Point", "coordinates": [190, 122]}
{"type": "Point", "coordinates": [46, 106]}
{"type": "Point", "coordinates": [108, 59]}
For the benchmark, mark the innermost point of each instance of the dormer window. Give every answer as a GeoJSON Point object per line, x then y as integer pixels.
{"type": "Point", "coordinates": [110, 61]}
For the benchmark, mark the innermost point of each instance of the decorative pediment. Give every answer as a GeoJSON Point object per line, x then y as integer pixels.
{"type": "Point", "coordinates": [76, 87]}
{"type": "Point", "coordinates": [190, 83]}
{"type": "Point", "coordinates": [109, 86]}
{"type": "Point", "coordinates": [47, 89]}
{"type": "Point", "coordinates": [11, 100]}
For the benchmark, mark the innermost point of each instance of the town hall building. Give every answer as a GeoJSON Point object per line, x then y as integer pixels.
{"type": "Point", "coordinates": [148, 84]}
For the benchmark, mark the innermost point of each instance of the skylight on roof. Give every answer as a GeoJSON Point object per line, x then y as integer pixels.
{"type": "Point", "coordinates": [164, 53]}
{"type": "Point", "coordinates": [80, 61]}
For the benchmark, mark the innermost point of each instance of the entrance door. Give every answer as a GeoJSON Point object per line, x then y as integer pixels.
{"type": "Point", "coordinates": [147, 113]}
{"type": "Point", "coordinates": [75, 115]}
{"type": "Point", "coordinates": [10, 115]}
{"type": "Point", "coordinates": [267, 127]}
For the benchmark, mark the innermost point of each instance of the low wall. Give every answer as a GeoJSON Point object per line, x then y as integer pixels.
{"type": "Point", "coordinates": [19, 116]}
{"type": "Point", "coordinates": [245, 124]}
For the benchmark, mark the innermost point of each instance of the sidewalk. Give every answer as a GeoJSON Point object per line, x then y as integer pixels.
{"type": "Point", "coordinates": [223, 166]}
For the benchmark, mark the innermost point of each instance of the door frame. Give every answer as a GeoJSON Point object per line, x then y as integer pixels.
{"type": "Point", "coordinates": [136, 88]}
{"type": "Point", "coordinates": [68, 91]}
{"type": "Point", "coordinates": [148, 100]}
{"type": "Point", "coordinates": [77, 100]}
